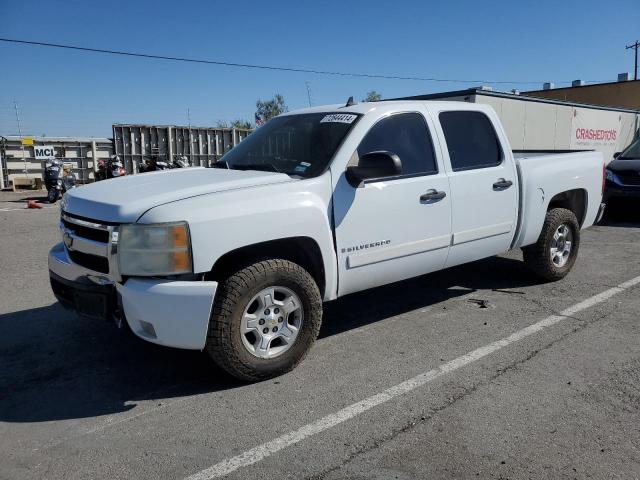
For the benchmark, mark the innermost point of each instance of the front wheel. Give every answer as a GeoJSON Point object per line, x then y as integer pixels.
{"type": "Point", "coordinates": [264, 320]}
{"type": "Point", "coordinates": [52, 195]}
{"type": "Point", "coordinates": [555, 252]}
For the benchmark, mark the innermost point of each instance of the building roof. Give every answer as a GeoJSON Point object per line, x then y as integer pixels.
{"type": "Point", "coordinates": [622, 84]}
{"type": "Point", "coordinates": [525, 98]}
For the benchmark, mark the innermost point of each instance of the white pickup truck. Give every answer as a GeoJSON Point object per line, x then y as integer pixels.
{"type": "Point", "coordinates": [316, 204]}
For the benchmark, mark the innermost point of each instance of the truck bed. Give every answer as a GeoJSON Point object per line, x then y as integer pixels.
{"type": "Point", "coordinates": [542, 176]}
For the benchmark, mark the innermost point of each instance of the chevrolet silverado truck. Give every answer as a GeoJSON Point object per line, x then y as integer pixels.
{"type": "Point", "coordinates": [316, 204]}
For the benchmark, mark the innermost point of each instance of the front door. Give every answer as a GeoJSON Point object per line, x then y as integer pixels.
{"type": "Point", "coordinates": [398, 227]}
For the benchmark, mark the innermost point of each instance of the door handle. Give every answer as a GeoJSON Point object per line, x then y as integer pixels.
{"type": "Point", "coordinates": [502, 184]}
{"type": "Point", "coordinates": [432, 195]}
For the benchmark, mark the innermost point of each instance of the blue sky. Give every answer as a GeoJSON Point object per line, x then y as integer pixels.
{"type": "Point", "coordinates": [62, 92]}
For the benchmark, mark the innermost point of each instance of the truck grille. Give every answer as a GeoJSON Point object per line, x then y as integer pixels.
{"type": "Point", "coordinates": [629, 178]}
{"type": "Point", "coordinates": [88, 232]}
{"type": "Point", "coordinates": [87, 242]}
{"type": "Point", "coordinates": [92, 262]}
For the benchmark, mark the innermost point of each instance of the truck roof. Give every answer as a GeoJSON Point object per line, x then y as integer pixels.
{"type": "Point", "coordinates": [366, 107]}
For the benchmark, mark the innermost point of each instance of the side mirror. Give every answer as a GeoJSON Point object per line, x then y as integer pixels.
{"type": "Point", "coordinates": [616, 155]}
{"type": "Point", "coordinates": [373, 165]}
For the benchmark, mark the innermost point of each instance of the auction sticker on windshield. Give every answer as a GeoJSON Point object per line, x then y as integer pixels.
{"type": "Point", "coordinates": [339, 118]}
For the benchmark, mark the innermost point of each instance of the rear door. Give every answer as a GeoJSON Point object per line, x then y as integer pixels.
{"type": "Point", "coordinates": [388, 229]}
{"type": "Point", "coordinates": [484, 186]}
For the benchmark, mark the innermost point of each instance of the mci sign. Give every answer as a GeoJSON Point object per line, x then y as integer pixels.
{"type": "Point", "coordinates": [44, 152]}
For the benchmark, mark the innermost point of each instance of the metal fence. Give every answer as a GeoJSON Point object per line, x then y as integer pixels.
{"type": "Point", "coordinates": [200, 145]}
{"type": "Point", "coordinates": [18, 160]}
{"type": "Point", "coordinates": [133, 143]}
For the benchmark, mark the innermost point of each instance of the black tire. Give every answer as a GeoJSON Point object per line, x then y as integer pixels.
{"type": "Point", "coordinates": [538, 257]}
{"type": "Point", "coordinates": [52, 195]}
{"type": "Point", "coordinates": [224, 342]}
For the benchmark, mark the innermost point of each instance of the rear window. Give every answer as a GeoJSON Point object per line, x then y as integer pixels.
{"type": "Point", "coordinates": [471, 140]}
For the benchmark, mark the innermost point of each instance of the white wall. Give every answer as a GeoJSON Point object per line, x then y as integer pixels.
{"type": "Point", "coordinates": [549, 126]}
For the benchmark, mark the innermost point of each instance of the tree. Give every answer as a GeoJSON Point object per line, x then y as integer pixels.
{"type": "Point", "coordinates": [372, 96]}
{"type": "Point", "coordinates": [266, 110]}
{"type": "Point", "coordinates": [244, 124]}
{"type": "Point", "coordinates": [222, 124]}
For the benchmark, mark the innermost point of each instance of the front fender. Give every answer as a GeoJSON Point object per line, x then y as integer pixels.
{"type": "Point", "coordinates": [225, 221]}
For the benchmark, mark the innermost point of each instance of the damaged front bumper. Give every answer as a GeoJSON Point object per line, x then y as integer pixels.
{"type": "Point", "coordinates": [174, 313]}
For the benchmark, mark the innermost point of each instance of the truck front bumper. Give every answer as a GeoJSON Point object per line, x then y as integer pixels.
{"type": "Point", "coordinates": [615, 190]}
{"type": "Point", "coordinates": [167, 312]}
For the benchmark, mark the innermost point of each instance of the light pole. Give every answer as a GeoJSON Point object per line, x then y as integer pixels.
{"type": "Point", "coordinates": [635, 67]}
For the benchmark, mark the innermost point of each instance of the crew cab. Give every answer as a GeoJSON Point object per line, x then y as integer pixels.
{"type": "Point", "coordinates": [316, 204]}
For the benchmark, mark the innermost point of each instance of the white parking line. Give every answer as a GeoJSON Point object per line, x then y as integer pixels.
{"type": "Point", "coordinates": [269, 448]}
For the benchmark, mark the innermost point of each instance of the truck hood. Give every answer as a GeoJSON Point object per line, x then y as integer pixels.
{"type": "Point", "coordinates": [622, 165]}
{"type": "Point", "coordinates": [125, 199]}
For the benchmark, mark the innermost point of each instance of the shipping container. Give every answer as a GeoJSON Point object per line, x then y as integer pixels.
{"type": "Point", "coordinates": [200, 145]}
{"type": "Point", "coordinates": [29, 160]}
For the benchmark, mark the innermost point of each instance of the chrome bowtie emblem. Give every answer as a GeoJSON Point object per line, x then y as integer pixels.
{"type": "Point", "coordinates": [67, 239]}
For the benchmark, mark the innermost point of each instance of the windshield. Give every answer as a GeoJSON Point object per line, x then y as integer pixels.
{"type": "Point", "coordinates": [301, 145]}
{"type": "Point", "coordinates": [631, 152]}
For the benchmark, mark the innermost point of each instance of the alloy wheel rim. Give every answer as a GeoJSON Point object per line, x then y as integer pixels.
{"type": "Point", "coordinates": [561, 245]}
{"type": "Point", "coordinates": [271, 322]}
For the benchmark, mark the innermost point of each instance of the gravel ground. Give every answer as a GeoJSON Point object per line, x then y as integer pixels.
{"type": "Point", "coordinates": [81, 399]}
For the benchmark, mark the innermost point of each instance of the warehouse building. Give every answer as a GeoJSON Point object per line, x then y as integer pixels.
{"type": "Point", "coordinates": [621, 94]}
{"type": "Point", "coordinates": [545, 125]}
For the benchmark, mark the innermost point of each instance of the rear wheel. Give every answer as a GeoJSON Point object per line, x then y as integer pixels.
{"type": "Point", "coordinates": [555, 252]}
{"type": "Point", "coordinates": [264, 320]}
{"type": "Point", "coordinates": [52, 195]}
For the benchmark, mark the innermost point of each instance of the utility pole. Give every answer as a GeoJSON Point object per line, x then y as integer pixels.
{"type": "Point", "coordinates": [308, 92]}
{"type": "Point", "coordinates": [190, 140]}
{"type": "Point", "coordinates": [24, 159]}
{"type": "Point", "coordinates": [635, 46]}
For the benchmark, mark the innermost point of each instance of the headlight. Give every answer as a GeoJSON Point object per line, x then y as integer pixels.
{"type": "Point", "coordinates": [612, 177]}
{"type": "Point", "coordinates": [154, 249]}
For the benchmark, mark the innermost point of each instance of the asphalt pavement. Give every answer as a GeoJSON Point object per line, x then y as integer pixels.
{"type": "Point", "coordinates": [479, 371]}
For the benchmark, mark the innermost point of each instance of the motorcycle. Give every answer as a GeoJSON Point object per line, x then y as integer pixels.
{"type": "Point", "coordinates": [153, 164]}
{"type": "Point", "coordinates": [116, 168]}
{"type": "Point", "coordinates": [181, 162]}
{"type": "Point", "coordinates": [112, 168]}
{"type": "Point", "coordinates": [58, 178]}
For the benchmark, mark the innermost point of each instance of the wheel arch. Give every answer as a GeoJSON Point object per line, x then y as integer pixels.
{"type": "Point", "coordinates": [575, 200]}
{"type": "Point", "coordinates": [304, 251]}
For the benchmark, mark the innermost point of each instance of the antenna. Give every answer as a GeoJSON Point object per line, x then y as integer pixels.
{"type": "Point", "coordinates": [24, 159]}
{"type": "Point", "coordinates": [350, 102]}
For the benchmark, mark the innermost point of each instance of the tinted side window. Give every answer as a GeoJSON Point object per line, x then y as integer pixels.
{"type": "Point", "coordinates": [471, 140]}
{"type": "Point", "coordinates": [407, 136]}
